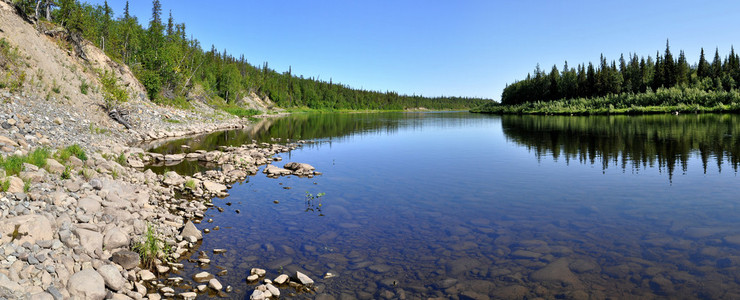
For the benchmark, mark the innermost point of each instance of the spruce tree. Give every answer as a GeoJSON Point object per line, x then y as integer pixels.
{"type": "Point", "coordinates": [716, 65]}
{"type": "Point", "coordinates": [702, 70]}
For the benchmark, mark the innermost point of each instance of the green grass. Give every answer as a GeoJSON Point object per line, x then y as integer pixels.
{"type": "Point", "coordinates": [151, 247]}
{"type": "Point", "coordinates": [38, 157]}
{"type": "Point", "coordinates": [14, 164]}
{"type": "Point", "coordinates": [177, 102]}
{"type": "Point", "coordinates": [190, 183]}
{"type": "Point", "coordinates": [5, 185]}
{"type": "Point", "coordinates": [64, 153]}
{"type": "Point", "coordinates": [84, 87]}
{"type": "Point", "coordinates": [173, 121]}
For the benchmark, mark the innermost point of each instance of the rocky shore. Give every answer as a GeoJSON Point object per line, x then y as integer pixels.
{"type": "Point", "coordinates": [70, 227]}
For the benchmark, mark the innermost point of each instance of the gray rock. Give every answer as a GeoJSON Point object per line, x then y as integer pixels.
{"type": "Point", "coordinates": [115, 238]}
{"type": "Point", "coordinates": [54, 166]}
{"type": "Point", "coordinates": [55, 293]}
{"type": "Point", "coordinates": [190, 230]}
{"type": "Point", "coordinates": [90, 240]}
{"type": "Point", "coordinates": [91, 205]}
{"type": "Point", "coordinates": [96, 184]}
{"type": "Point", "coordinates": [112, 277]}
{"type": "Point", "coordinates": [126, 259]}
{"type": "Point", "coordinates": [257, 295]}
{"type": "Point", "coordinates": [86, 284]}
{"type": "Point", "coordinates": [273, 290]}
{"type": "Point", "coordinates": [172, 178]}
{"type": "Point", "coordinates": [30, 228]}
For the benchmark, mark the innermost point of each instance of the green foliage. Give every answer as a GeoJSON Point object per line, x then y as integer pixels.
{"type": "Point", "coordinates": [151, 247]}
{"type": "Point", "coordinates": [67, 173]}
{"type": "Point", "coordinates": [12, 164]}
{"type": "Point", "coordinates": [115, 173]}
{"type": "Point", "coordinates": [26, 186]}
{"type": "Point", "coordinates": [5, 185]}
{"type": "Point", "coordinates": [313, 202]}
{"type": "Point", "coordinates": [97, 130]}
{"type": "Point", "coordinates": [121, 159]}
{"type": "Point", "coordinates": [169, 63]}
{"type": "Point", "coordinates": [38, 157]}
{"type": "Point", "coordinates": [633, 76]}
{"type": "Point", "coordinates": [190, 183]}
{"type": "Point", "coordinates": [64, 153]}
{"type": "Point", "coordinates": [113, 93]}
{"type": "Point", "coordinates": [55, 87]}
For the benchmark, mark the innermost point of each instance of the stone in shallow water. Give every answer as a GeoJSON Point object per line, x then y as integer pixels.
{"type": "Point", "coordinates": [202, 277]}
{"type": "Point", "coordinates": [557, 271]}
{"type": "Point", "coordinates": [281, 279]}
{"type": "Point", "coordinates": [303, 279]}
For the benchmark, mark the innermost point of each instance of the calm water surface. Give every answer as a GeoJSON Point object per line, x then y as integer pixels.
{"type": "Point", "coordinates": [458, 205]}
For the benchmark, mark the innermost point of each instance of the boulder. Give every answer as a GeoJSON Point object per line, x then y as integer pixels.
{"type": "Point", "coordinates": [147, 275]}
{"type": "Point", "coordinates": [126, 259]}
{"type": "Point", "coordinates": [214, 187]}
{"type": "Point", "coordinates": [174, 157]}
{"type": "Point", "coordinates": [86, 284]}
{"type": "Point", "coordinates": [191, 230]}
{"type": "Point", "coordinates": [54, 166]}
{"type": "Point", "coordinates": [271, 170]}
{"type": "Point", "coordinates": [28, 228]}
{"type": "Point", "coordinates": [91, 241]}
{"type": "Point", "coordinates": [16, 185]}
{"type": "Point", "coordinates": [172, 178]}
{"type": "Point", "coordinates": [112, 277]}
{"type": "Point", "coordinates": [90, 204]}
{"type": "Point", "coordinates": [134, 162]}
{"type": "Point", "coordinates": [300, 168]}
{"type": "Point", "coordinates": [7, 142]}
{"type": "Point", "coordinates": [115, 238]}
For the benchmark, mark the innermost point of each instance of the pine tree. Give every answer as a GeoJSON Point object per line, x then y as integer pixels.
{"type": "Point", "coordinates": [716, 65]}
{"type": "Point", "coordinates": [669, 67]}
{"type": "Point", "coordinates": [702, 69]}
{"type": "Point", "coordinates": [682, 70]}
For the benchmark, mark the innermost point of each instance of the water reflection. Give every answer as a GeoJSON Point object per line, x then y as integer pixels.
{"type": "Point", "coordinates": [665, 142]}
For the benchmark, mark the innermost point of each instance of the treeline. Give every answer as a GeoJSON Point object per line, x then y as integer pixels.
{"type": "Point", "coordinates": [632, 75]}
{"type": "Point", "coordinates": [169, 63]}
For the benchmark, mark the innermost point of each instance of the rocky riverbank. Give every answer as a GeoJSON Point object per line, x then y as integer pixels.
{"type": "Point", "coordinates": [69, 226]}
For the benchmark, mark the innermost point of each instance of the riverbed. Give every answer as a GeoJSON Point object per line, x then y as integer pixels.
{"type": "Point", "coordinates": [459, 205]}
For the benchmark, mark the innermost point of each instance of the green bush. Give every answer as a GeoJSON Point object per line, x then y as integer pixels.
{"type": "Point", "coordinates": [64, 153]}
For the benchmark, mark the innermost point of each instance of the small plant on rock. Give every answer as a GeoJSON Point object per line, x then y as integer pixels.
{"type": "Point", "coordinates": [38, 157]}
{"type": "Point", "coordinates": [121, 159]}
{"type": "Point", "coordinates": [5, 185]}
{"type": "Point", "coordinates": [190, 183]}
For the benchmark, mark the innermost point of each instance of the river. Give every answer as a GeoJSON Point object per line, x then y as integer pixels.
{"type": "Point", "coordinates": [469, 206]}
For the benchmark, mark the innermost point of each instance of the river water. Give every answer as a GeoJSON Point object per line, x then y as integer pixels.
{"type": "Point", "coordinates": [468, 206]}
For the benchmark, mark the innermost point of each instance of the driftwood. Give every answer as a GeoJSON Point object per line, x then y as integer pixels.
{"type": "Point", "coordinates": [118, 116]}
{"type": "Point", "coordinates": [76, 39]}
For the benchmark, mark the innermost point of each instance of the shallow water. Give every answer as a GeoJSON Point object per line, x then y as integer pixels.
{"type": "Point", "coordinates": [459, 205]}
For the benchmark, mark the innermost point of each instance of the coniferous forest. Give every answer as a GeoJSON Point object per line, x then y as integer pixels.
{"type": "Point", "coordinates": [170, 64]}
{"type": "Point", "coordinates": [630, 85]}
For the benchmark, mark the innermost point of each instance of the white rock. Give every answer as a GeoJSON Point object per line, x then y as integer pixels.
{"type": "Point", "coordinates": [90, 240]}
{"type": "Point", "coordinates": [190, 230]}
{"type": "Point", "coordinates": [214, 284]}
{"type": "Point", "coordinates": [30, 229]}
{"type": "Point", "coordinates": [257, 295]}
{"type": "Point", "coordinates": [281, 279]}
{"type": "Point", "coordinates": [273, 290]}
{"type": "Point", "coordinates": [257, 271]}
{"type": "Point", "coordinates": [305, 280]}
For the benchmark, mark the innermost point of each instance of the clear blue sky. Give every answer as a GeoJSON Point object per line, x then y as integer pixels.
{"type": "Point", "coordinates": [453, 48]}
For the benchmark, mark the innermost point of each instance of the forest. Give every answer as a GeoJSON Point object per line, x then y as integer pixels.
{"type": "Point", "coordinates": [171, 65]}
{"type": "Point", "coordinates": [630, 85]}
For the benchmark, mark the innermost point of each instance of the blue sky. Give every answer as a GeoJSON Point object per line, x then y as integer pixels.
{"type": "Point", "coordinates": [452, 48]}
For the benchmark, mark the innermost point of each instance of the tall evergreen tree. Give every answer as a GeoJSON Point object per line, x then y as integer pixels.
{"type": "Point", "coordinates": [702, 69]}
